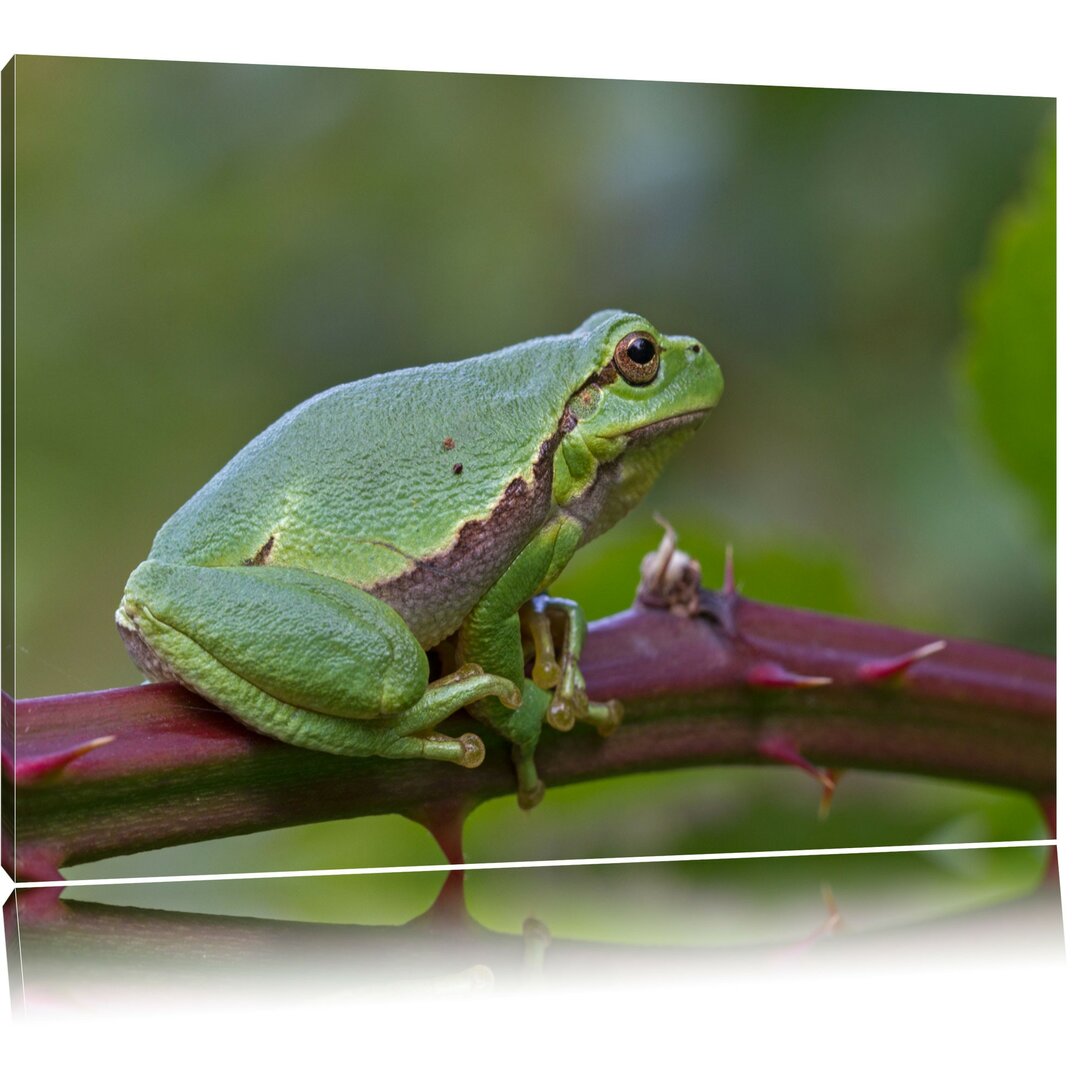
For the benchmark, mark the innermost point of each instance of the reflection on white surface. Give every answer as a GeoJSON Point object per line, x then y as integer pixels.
{"type": "Point", "coordinates": [116, 948]}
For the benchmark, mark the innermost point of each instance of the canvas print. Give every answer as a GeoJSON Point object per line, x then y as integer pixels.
{"type": "Point", "coordinates": [412, 468]}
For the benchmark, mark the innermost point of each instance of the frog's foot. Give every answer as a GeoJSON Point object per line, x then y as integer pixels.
{"type": "Point", "coordinates": [452, 692]}
{"type": "Point", "coordinates": [414, 727]}
{"type": "Point", "coordinates": [569, 700]}
{"type": "Point", "coordinates": [570, 704]}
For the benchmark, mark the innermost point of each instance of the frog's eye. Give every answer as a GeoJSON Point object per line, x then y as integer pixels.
{"type": "Point", "coordinates": [637, 358]}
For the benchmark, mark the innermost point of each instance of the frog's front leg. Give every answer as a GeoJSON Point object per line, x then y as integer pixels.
{"type": "Point", "coordinates": [301, 657]}
{"type": "Point", "coordinates": [491, 637]}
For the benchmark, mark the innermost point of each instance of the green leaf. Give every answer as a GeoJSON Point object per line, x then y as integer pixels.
{"type": "Point", "coordinates": [1010, 353]}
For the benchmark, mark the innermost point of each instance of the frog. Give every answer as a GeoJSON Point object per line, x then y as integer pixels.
{"type": "Point", "coordinates": [380, 557]}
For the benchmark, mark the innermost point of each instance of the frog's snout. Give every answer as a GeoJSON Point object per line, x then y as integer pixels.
{"type": "Point", "coordinates": [702, 379]}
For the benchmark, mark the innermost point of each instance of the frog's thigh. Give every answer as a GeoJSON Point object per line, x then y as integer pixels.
{"type": "Point", "coordinates": [303, 639]}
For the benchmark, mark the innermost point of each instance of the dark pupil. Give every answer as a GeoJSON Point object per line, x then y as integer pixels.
{"type": "Point", "coordinates": [640, 350]}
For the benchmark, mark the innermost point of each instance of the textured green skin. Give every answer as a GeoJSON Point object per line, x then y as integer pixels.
{"type": "Point", "coordinates": [299, 589]}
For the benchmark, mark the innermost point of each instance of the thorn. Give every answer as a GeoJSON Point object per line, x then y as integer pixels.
{"type": "Point", "coordinates": [781, 747]}
{"type": "Point", "coordinates": [832, 908]}
{"type": "Point", "coordinates": [829, 779]}
{"type": "Point", "coordinates": [729, 588]}
{"type": "Point", "coordinates": [831, 924]}
{"type": "Point", "coordinates": [890, 667]}
{"type": "Point", "coordinates": [770, 674]}
{"type": "Point", "coordinates": [45, 766]}
{"type": "Point", "coordinates": [722, 606]}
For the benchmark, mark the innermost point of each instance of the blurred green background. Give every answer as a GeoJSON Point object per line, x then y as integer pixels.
{"type": "Point", "coordinates": [200, 247]}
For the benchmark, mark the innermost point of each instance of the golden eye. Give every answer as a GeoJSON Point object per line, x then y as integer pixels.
{"type": "Point", "coordinates": [637, 358]}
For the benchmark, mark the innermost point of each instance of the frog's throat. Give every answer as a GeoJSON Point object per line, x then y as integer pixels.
{"type": "Point", "coordinates": [619, 483]}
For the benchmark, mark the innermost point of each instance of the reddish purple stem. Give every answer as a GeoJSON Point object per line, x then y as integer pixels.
{"type": "Point", "coordinates": [717, 688]}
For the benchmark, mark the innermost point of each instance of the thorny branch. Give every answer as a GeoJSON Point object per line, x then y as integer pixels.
{"type": "Point", "coordinates": [706, 678]}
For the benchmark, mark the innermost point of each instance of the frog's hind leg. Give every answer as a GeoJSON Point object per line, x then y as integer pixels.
{"type": "Point", "coordinates": [300, 657]}
{"type": "Point", "coordinates": [460, 688]}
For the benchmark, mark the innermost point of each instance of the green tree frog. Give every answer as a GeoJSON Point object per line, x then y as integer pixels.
{"type": "Point", "coordinates": [419, 511]}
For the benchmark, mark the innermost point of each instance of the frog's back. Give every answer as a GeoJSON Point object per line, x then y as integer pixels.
{"type": "Point", "coordinates": [419, 485]}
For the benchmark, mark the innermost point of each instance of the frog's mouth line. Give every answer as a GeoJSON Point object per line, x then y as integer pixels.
{"type": "Point", "coordinates": [658, 427]}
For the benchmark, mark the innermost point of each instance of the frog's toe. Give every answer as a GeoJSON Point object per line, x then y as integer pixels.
{"type": "Point", "coordinates": [472, 750]}
{"type": "Point", "coordinates": [561, 714]}
{"type": "Point", "coordinates": [529, 797]}
{"type": "Point", "coordinates": [605, 716]}
{"type": "Point", "coordinates": [466, 751]}
{"type": "Point", "coordinates": [530, 786]}
{"type": "Point", "coordinates": [570, 702]}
